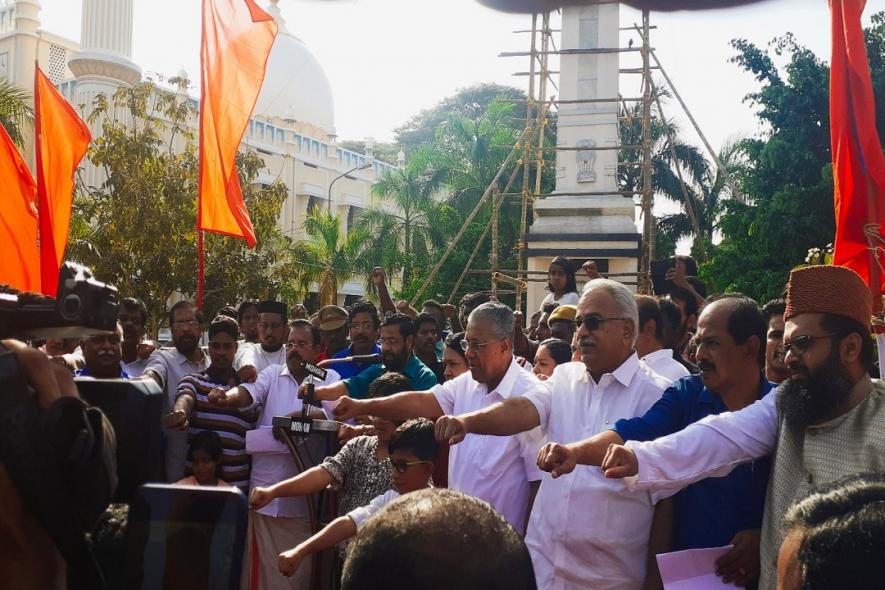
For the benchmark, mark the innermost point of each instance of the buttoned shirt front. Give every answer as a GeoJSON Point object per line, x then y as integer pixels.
{"type": "Point", "coordinates": [586, 531]}
{"type": "Point", "coordinates": [253, 354]}
{"type": "Point", "coordinates": [172, 366]}
{"type": "Point", "coordinates": [276, 391]}
{"type": "Point", "coordinates": [662, 362]}
{"type": "Point", "coordinates": [496, 469]}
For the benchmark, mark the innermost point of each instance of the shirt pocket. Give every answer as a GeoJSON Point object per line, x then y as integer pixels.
{"type": "Point", "coordinates": [495, 453]}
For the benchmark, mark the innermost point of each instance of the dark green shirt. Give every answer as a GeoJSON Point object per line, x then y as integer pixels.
{"type": "Point", "coordinates": [421, 377]}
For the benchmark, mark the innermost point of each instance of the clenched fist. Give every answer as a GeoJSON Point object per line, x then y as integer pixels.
{"type": "Point", "coordinates": [620, 462]}
{"type": "Point", "coordinates": [176, 420]}
{"type": "Point", "coordinates": [451, 429]}
{"type": "Point", "coordinates": [556, 458]}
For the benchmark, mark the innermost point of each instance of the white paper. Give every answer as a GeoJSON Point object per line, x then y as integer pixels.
{"type": "Point", "coordinates": [692, 569]}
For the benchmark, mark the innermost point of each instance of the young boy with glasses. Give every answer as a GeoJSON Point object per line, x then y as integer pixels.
{"type": "Point", "coordinates": [412, 451]}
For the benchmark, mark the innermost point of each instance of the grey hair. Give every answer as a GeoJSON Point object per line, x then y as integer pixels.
{"type": "Point", "coordinates": [499, 317]}
{"type": "Point", "coordinates": [623, 298]}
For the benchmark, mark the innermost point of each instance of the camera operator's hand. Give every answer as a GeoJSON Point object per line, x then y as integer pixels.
{"type": "Point", "coordinates": [50, 380]}
{"type": "Point", "coordinates": [217, 397]}
{"type": "Point", "coordinates": [176, 420]}
{"type": "Point", "coordinates": [260, 497]}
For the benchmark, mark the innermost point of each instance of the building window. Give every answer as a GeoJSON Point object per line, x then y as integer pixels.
{"type": "Point", "coordinates": [58, 59]}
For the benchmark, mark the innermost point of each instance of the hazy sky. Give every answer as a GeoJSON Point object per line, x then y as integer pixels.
{"type": "Point", "coordinates": [388, 59]}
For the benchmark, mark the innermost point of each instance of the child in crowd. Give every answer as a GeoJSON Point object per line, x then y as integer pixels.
{"type": "Point", "coordinates": [204, 454]}
{"type": "Point", "coordinates": [561, 283]}
{"type": "Point", "coordinates": [412, 451]}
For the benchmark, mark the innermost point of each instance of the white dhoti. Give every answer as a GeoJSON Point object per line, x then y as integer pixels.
{"type": "Point", "coordinates": [266, 538]}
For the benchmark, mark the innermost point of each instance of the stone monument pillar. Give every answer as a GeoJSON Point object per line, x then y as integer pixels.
{"type": "Point", "coordinates": [600, 226]}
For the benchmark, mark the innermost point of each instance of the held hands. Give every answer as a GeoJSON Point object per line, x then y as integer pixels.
{"type": "Point", "coordinates": [247, 374]}
{"type": "Point", "coordinates": [217, 397]}
{"type": "Point", "coordinates": [260, 497]}
{"type": "Point", "coordinates": [740, 566]}
{"type": "Point", "coordinates": [289, 562]}
{"type": "Point", "coordinates": [451, 428]}
{"type": "Point", "coordinates": [556, 458]}
{"type": "Point", "coordinates": [619, 462]}
{"type": "Point", "coordinates": [176, 420]}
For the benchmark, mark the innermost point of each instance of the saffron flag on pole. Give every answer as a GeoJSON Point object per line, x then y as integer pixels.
{"type": "Point", "coordinates": [20, 262]}
{"type": "Point", "coordinates": [237, 39]}
{"type": "Point", "coordinates": [61, 142]}
{"type": "Point", "coordinates": [858, 163]}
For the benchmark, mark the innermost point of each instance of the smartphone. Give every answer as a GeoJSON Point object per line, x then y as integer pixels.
{"type": "Point", "coordinates": [659, 268]}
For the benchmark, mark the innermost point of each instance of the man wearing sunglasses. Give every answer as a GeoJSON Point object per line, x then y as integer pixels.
{"type": "Point", "coordinates": [826, 422]}
{"type": "Point", "coordinates": [583, 532]}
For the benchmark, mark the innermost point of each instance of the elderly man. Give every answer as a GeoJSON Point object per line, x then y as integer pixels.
{"type": "Point", "coordinates": [650, 343]}
{"type": "Point", "coordinates": [499, 470]}
{"type": "Point", "coordinates": [827, 421]}
{"type": "Point", "coordinates": [283, 523]}
{"type": "Point", "coordinates": [397, 353]}
{"type": "Point", "coordinates": [716, 511]}
{"type": "Point", "coordinates": [363, 323]}
{"type": "Point", "coordinates": [101, 356]}
{"type": "Point", "coordinates": [585, 532]}
{"type": "Point", "coordinates": [268, 351]}
{"type": "Point", "coordinates": [167, 366]}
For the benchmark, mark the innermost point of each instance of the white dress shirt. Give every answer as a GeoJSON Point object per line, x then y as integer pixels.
{"type": "Point", "coordinates": [496, 469]}
{"type": "Point", "coordinates": [570, 298]}
{"type": "Point", "coordinates": [252, 353]}
{"type": "Point", "coordinates": [172, 366]}
{"type": "Point", "coordinates": [360, 515]}
{"type": "Point", "coordinates": [586, 531]}
{"type": "Point", "coordinates": [663, 363]}
{"type": "Point", "coordinates": [276, 391]}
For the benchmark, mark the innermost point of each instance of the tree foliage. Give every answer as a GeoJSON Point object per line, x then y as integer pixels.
{"type": "Point", "coordinates": [16, 113]}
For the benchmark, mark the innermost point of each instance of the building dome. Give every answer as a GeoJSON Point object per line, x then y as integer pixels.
{"type": "Point", "coordinates": [295, 84]}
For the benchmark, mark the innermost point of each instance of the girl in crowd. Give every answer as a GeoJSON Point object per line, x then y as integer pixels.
{"type": "Point", "coordinates": [561, 283]}
{"type": "Point", "coordinates": [204, 454]}
{"type": "Point", "coordinates": [551, 352]}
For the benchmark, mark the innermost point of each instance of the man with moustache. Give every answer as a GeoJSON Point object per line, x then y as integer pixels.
{"type": "Point", "coordinates": [826, 422]}
{"type": "Point", "coordinates": [268, 351]}
{"type": "Point", "coordinates": [717, 511]}
{"type": "Point", "coordinates": [283, 523]}
{"type": "Point", "coordinates": [101, 356]}
{"type": "Point", "coordinates": [363, 323]}
{"type": "Point", "coordinates": [167, 366]}
{"type": "Point", "coordinates": [132, 316]}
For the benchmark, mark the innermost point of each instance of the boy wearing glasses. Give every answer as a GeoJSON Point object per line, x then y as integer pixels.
{"type": "Point", "coordinates": [412, 451]}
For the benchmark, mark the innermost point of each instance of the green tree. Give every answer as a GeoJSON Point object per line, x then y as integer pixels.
{"type": "Point", "coordinates": [329, 256]}
{"type": "Point", "coordinates": [15, 111]}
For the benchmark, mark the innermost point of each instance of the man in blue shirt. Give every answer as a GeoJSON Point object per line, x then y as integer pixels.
{"type": "Point", "coordinates": [716, 511]}
{"type": "Point", "coordinates": [397, 343]}
{"type": "Point", "coordinates": [102, 354]}
{"type": "Point", "coordinates": [363, 323]}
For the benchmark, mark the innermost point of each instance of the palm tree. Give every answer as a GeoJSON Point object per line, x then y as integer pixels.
{"type": "Point", "coordinates": [329, 257]}
{"type": "Point", "coordinates": [15, 112]}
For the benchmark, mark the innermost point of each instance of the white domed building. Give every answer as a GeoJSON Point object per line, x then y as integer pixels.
{"type": "Point", "coordinates": [292, 127]}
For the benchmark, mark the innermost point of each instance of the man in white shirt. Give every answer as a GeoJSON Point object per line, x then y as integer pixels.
{"type": "Point", "coordinates": [500, 470]}
{"type": "Point", "coordinates": [132, 316]}
{"type": "Point", "coordinates": [284, 522]}
{"type": "Point", "coordinates": [253, 358]}
{"type": "Point", "coordinates": [167, 366]}
{"type": "Point", "coordinates": [584, 533]}
{"type": "Point", "coordinates": [650, 341]}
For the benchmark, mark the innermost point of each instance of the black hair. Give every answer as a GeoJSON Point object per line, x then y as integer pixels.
{"type": "Point", "coordinates": [649, 309]}
{"type": "Point", "coordinates": [209, 442]}
{"type": "Point", "coordinates": [560, 350]}
{"type": "Point", "coordinates": [549, 307]}
{"type": "Point", "coordinates": [775, 307]}
{"type": "Point", "coordinates": [671, 317]}
{"type": "Point", "coordinates": [302, 323]}
{"type": "Point", "coordinates": [244, 307]}
{"type": "Point", "coordinates": [388, 384]}
{"type": "Point", "coordinates": [438, 539]}
{"type": "Point", "coordinates": [691, 266]}
{"type": "Point", "coordinates": [132, 303]}
{"type": "Point", "coordinates": [416, 435]}
{"type": "Point", "coordinates": [568, 267]}
{"type": "Point", "coordinates": [746, 321]}
{"type": "Point", "coordinates": [842, 326]}
{"type": "Point", "coordinates": [686, 297]}
{"type": "Point", "coordinates": [453, 342]}
{"type": "Point", "coordinates": [364, 306]}
{"type": "Point", "coordinates": [226, 311]}
{"type": "Point", "coordinates": [423, 318]}
{"type": "Point", "coordinates": [471, 301]}
{"type": "Point", "coordinates": [842, 528]}
{"type": "Point", "coordinates": [224, 325]}
{"type": "Point", "coordinates": [185, 304]}
{"type": "Point", "coordinates": [435, 305]}
{"type": "Point", "coordinates": [404, 322]}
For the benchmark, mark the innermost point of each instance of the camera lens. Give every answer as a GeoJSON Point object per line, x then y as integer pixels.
{"type": "Point", "coordinates": [71, 306]}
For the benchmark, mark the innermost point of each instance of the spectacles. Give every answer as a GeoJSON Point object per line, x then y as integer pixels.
{"type": "Point", "coordinates": [366, 326]}
{"type": "Point", "coordinates": [186, 323]}
{"type": "Point", "coordinates": [299, 346]}
{"type": "Point", "coordinates": [799, 345]}
{"type": "Point", "coordinates": [402, 466]}
{"type": "Point", "coordinates": [593, 322]}
{"type": "Point", "coordinates": [475, 345]}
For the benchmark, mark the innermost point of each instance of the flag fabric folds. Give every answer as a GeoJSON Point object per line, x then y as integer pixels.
{"type": "Point", "coordinates": [20, 262]}
{"type": "Point", "coordinates": [61, 142]}
{"type": "Point", "coordinates": [237, 39]}
{"type": "Point", "coordinates": [858, 163]}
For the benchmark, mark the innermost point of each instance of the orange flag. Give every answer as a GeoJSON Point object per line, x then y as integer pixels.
{"type": "Point", "coordinates": [237, 38]}
{"type": "Point", "coordinates": [61, 142]}
{"type": "Point", "coordinates": [20, 262]}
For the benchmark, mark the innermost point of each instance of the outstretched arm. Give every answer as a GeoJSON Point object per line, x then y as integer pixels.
{"type": "Point", "coordinates": [512, 416]}
{"type": "Point", "coordinates": [560, 459]}
{"type": "Point", "coordinates": [338, 530]}
{"type": "Point", "coordinates": [402, 406]}
{"type": "Point", "coordinates": [311, 481]}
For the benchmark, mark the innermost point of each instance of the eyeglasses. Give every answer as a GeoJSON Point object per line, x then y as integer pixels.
{"type": "Point", "coordinates": [186, 324]}
{"type": "Point", "coordinates": [299, 346]}
{"type": "Point", "coordinates": [593, 322]}
{"type": "Point", "coordinates": [475, 345]}
{"type": "Point", "coordinates": [402, 466]}
{"type": "Point", "coordinates": [365, 326]}
{"type": "Point", "coordinates": [800, 345]}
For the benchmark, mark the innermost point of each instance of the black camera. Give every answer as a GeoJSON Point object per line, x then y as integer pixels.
{"type": "Point", "coordinates": [83, 306]}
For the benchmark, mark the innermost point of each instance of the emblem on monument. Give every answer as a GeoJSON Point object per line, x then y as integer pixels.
{"type": "Point", "coordinates": [586, 160]}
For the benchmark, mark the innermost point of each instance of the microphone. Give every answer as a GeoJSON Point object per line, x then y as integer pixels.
{"type": "Point", "coordinates": [372, 359]}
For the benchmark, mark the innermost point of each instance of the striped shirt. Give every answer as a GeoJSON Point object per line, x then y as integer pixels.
{"type": "Point", "coordinates": [230, 424]}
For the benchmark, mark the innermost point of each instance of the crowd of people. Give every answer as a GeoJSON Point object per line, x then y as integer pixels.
{"type": "Point", "coordinates": [611, 428]}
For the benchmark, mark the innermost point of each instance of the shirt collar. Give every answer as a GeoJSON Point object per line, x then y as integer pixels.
{"type": "Point", "coordinates": [508, 381]}
{"type": "Point", "coordinates": [183, 359]}
{"type": "Point", "coordinates": [624, 374]}
{"type": "Point", "coordinates": [663, 353]}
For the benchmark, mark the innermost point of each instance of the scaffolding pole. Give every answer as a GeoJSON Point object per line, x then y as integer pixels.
{"type": "Point", "coordinates": [647, 189]}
